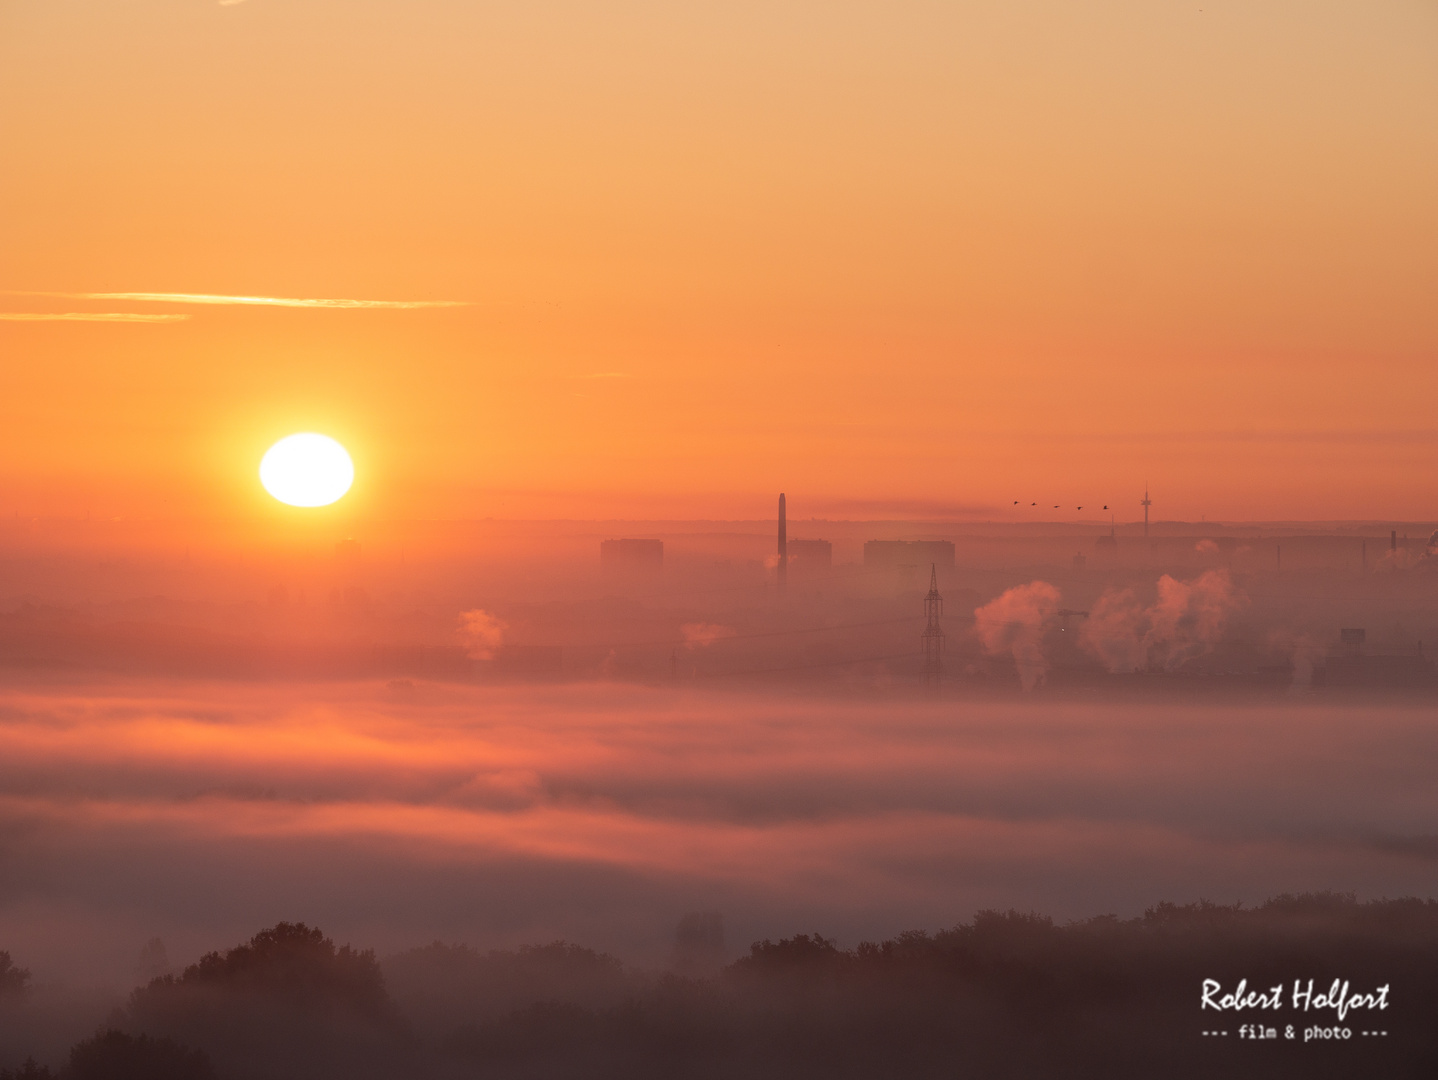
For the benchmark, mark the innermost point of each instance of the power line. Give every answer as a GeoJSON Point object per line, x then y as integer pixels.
{"type": "Point", "coordinates": [656, 643]}
{"type": "Point", "coordinates": [803, 667]}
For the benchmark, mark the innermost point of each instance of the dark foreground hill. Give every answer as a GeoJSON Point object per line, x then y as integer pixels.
{"type": "Point", "coordinates": [1007, 995]}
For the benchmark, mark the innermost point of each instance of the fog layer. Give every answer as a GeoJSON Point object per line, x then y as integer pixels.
{"type": "Point", "coordinates": [400, 813]}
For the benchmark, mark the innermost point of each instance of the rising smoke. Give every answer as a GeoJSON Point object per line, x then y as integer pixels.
{"type": "Point", "coordinates": [1185, 621]}
{"type": "Point", "coordinates": [482, 634]}
{"type": "Point", "coordinates": [1189, 617]}
{"type": "Point", "coordinates": [1014, 622]}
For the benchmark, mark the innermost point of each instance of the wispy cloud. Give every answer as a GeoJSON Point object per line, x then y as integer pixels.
{"type": "Point", "coordinates": [87, 316]}
{"type": "Point", "coordinates": [257, 301]}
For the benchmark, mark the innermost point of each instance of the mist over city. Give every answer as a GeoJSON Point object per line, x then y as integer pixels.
{"type": "Point", "coordinates": [573, 762]}
{"type": "Point", "coordinates": [544, 540]}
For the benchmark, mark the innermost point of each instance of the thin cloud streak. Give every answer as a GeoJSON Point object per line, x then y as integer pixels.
{"type": "Point", "coordinates": [216, 299]}
{"type": "Point", "coordinates": [88, 316]}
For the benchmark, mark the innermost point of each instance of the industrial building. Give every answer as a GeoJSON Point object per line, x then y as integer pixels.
{"type": "Point", "coordinates": [1350, 665]}
{"type": "Point", "coordinates": [810, 555]}
{"type": "Point", "coordinates": [803, 556]}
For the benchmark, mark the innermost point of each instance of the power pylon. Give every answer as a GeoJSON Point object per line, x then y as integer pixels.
{"type": "Point", "coordinates": [933, 635]}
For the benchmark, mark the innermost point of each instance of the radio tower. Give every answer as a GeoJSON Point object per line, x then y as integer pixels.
{"type": "Point", "coordinates": [1147, 502]}
{"type": "Point", "coordinates": [933, 635]}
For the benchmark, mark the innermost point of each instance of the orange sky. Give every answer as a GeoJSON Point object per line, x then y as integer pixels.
{"type": "Point", "coordinates": [953, 252]}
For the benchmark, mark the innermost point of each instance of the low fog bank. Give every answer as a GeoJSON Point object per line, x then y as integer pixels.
{"type": "Point", "coordinates": [600, 813]}
{"type": "Point", "coordinates": [1246, 610]}
{"type": "Point", "coordinates": [1004, 994]}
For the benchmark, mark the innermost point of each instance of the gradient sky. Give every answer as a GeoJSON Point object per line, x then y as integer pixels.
{"type": "Point", "coordinates": [960, 252]}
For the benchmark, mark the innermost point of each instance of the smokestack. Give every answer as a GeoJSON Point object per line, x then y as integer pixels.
{"type": "Point", "coordinates": [783, 545]}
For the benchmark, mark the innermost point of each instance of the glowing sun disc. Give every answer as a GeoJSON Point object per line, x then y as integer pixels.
{"type": "Point", "coordinates": [307, 470]}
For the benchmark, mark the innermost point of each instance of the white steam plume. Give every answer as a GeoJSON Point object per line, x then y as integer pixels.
{"type": "Point", "coordinates": [1014, 622]}
{"type": "Point", "coordinates": [1186, 621]}
{"type": "Point", "coordinates": [482, 633]}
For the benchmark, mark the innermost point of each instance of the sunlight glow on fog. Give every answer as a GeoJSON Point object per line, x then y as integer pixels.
{"type": "Point", "coordinates": [484, 806]}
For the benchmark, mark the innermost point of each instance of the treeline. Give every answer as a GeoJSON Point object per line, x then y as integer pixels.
{"type": "Point", "coordinates": [1006, 995]}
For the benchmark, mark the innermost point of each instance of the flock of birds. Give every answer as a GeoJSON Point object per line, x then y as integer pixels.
{"type": "Point", "coordinates": [1056, 506]}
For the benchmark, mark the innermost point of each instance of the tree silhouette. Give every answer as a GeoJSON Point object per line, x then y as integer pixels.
{"type": "Point", "coordinates": [1007, 994]}
{"type": "Point", "coordinates": [13, 980]}
{"type": "Point", "coordinates": [114, 1055]}
{"type": "Point", "coordinates": [445, 987]}
{"type": "Point", "coordinates": [286, 1003]}
{"type": "Point", "coordinates": [28, 1071]}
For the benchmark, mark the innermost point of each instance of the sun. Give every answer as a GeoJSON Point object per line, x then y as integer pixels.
{"type": "Point", "coordinates": [307, 470]}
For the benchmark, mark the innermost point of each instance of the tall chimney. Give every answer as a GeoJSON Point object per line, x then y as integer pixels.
{"type": "Point", "coordinates": [783, 545]}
